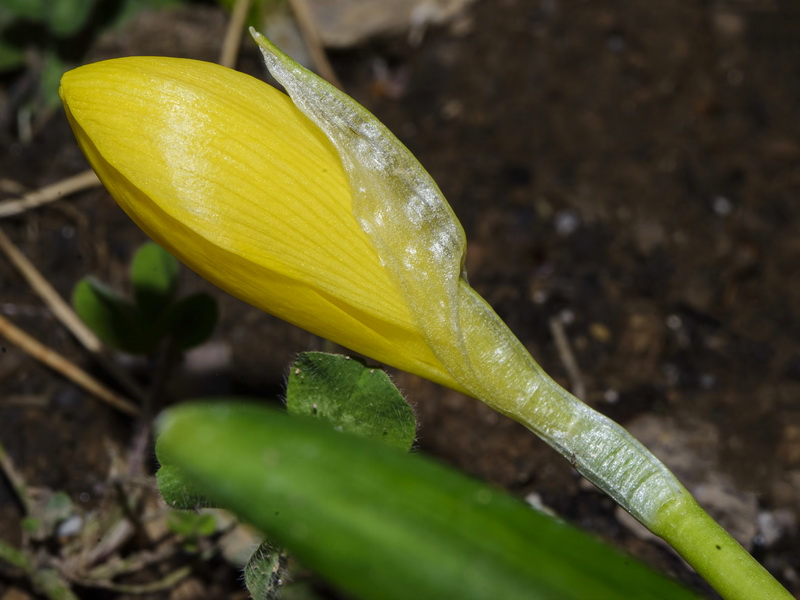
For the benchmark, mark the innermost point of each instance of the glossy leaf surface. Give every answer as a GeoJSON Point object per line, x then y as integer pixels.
{"type": "Point", "coordinates": [384, 525]}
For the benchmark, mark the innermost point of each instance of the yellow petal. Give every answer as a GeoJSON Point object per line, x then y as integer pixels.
{"type": "Point", "coordinates": [223, 171]}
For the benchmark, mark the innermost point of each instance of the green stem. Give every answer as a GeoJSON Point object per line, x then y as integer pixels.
{"type": "Point", "coordinates": [607, 455]}
{"type": "Point", "coordinates": [714, 554]}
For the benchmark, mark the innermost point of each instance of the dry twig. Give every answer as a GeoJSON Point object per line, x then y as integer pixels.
{"type": "Point", "coordinates": [62, 365]}
{"type": "Point", "coordinates": [567, 358]}
{"type": "Point", "coordinates": [16, 480]}
{"type": "Point", "coordinates": [64, 313]}
{"type": "Point", "coordinates": [233, 35]}
{"type": "Point", "coordinates": [305, 20]}
{"type": "Point", "coordinates": [49, 193]}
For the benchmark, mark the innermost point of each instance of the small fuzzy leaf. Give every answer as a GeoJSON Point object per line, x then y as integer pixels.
{"type": "Point", "coordinates": [352, 397]}
{"type": "Point", "coordinates": [265, 572]}
{"type": "Point", "coordinates": [385, 525]}
{"type": "Point", "coordinates": [154, 273]}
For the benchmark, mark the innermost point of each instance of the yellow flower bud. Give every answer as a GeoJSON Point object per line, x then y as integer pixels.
{"type": "Point", "coordinates": [223, 171]}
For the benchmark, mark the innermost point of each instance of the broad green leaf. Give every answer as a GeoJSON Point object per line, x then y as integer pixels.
{"type": "Point", "coordinates": [113, 318]}
{"type": "Point", "coordinates": [192, 320]}
{"type": "Point", "coordinates": [384, 525]}
{"type": "Point", "coordinates": [351, 396]}
{"type": "Point", "coordinates": [154, 273]}
{"type": "Point", "coordinates": [265, 572]}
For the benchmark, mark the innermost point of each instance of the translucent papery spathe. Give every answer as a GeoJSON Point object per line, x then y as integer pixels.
{"type": "Point", "coordinates": [228, 175]}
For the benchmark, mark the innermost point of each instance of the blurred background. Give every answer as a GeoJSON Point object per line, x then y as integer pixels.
{"type": "Point", "coordinates": [628, 175]}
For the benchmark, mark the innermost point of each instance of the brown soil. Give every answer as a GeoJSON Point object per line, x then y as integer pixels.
{"type": "Point", "coordinates": [626, 169]}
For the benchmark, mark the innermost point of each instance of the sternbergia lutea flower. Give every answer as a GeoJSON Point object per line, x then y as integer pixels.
{"type": "Point", "coordinates": [316, 213]}
{"type": "Point", "coordinates": [310, 209]}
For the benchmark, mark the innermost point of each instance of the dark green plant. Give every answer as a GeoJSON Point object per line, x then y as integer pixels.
{"type": "Point", "coordinates": [138, 325]}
